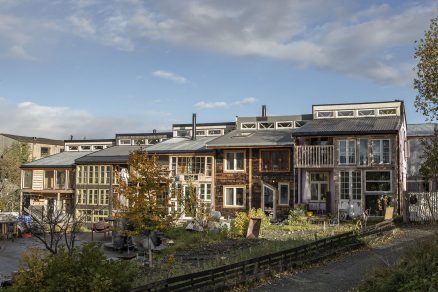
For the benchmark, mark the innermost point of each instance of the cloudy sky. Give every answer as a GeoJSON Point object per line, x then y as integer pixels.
{"type": "Point", "coordinates": [91, 68]}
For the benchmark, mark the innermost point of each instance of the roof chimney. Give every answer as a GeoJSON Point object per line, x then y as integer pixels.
{"type": "Point", "coordinates": [154, 131]}
{"type": "Point", "coordinates": [263, 110]}
{"type": "Point", "coordinates": [71, 137]}
{"type": "Point", "coordinates": [194, 127]}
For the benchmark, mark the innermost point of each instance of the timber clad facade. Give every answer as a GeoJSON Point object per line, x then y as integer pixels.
{"type": "Point", "coordinates": [343, 158]}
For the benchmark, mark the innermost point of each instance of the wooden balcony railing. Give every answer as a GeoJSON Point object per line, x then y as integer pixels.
{"type": "Point", "coordinates": [314, 156]}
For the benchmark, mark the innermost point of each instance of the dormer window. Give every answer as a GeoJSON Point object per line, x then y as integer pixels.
{"type": "Point", "coordinates": [98, 147]}
{"type": "Point", "coordinates": [214, 132]}
{"type": "Point", "coordinates": [153, 141]}
{"type": "Point", "coordinates": [125, 142]}
{"type": "Point", "coordinates": [182, 133]}
{"type": "Point", "coordinates": [299, 124]}
{"type": "Point", "coordinates": [248, 126]}
{"type": "Point", "coordinates": [366, 113]}
{"type": "Point", "coordinates": [85, 147]}
{"type": "Point", "coordinates": [139, 142]}
{"type": "Point", "coordinates": [325, 114]}
{"type": "Point", "coordinates": [344, 114]}
{"type": "Point", "coordinates": [387, 112]}
{"type": "Point", "coordinates": [285, 125]}
{"type": "Point", "coordinates": [200, 133]}
{"type": "Point", "coordinates": [73, 148]}
{"type": "Point", "coordinates": [266, 125]}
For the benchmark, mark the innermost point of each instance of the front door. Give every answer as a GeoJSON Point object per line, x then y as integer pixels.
{"type": "Point", "coordinates": [269, 199]}
{"type": "Point", "coordinates": [319, 187]}
{"type": "Point", "coordinates": [350, 192]}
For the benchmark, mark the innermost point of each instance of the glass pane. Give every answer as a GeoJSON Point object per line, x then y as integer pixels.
{"type": "Point", "coordinates": [342, 152]}
{"type": "Point", "coordinates": [239, 196]}
{"type": "Point", "coordinates": [230, 161]}
{"type": "Point", "coordinates": [229, 196]}
{"type": "Point", "coordinates": [386, 151]}
{"type": "Point", "coordinates": [239, 161]}
{"type": "Point", "coordinates": [268, 198]}
{"type": "Point", "coordinates": [363, 152]}
{"type": "Point", "coordinates": [378, 175]}
{"type": "Point", "coordinates": [324, 191]}
{"type": "Point", "coordinates": [378, 186]}
{"type": "Point", "coordinates": [351, 152]}
{"type": "Point", "coordinates": [284, 194]}
{"type": "Point", "coordinates": [376, 151]}
{"type": "Point", "coordinates": [345, 185]}
{"type": "Point", "coordinates": [314, 192]}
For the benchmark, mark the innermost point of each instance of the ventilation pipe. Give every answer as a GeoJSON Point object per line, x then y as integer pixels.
{"type": "Point", "coordinates": [194, 127]}
{"type": "Point", "coordinates": [263, 110]}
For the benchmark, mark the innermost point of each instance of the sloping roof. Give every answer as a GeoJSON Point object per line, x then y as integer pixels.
{"type": "Point", "coordinates": [248, 138]}
{"type": "Point", "coordinates": [115, 154]}
{"type": "Point", "coordinates": [25, 139]}
{"type": "Point", "coordinates": [350, 126]}
{"type": "Point", "coordinates": [180, 145]}
{"type": "Point", "coordinates": [63, 159]}
{"type": "Point", "coordinates": [421, 130]}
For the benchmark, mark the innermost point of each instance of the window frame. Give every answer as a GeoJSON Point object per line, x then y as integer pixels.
{"type": "Point", "coordinates": [24, 179]}
{"type": "Point", "coordinates": [352, 113]}
{"type": "Point", "coordinates": [381, 152]}
{"type": "Point", "coordinates": [332, 115]}
{"type": "Point", "coordinates": [248, 123]}
{"type": "Point", "coordinates": [225, 161]}
{"type": "Point", "coordinates": [368, 109]}
{"type": "Point", "coordinates": [292, 125]}
{"type": "Point", "coordinates": [375, 192]}
{"type": "Point", "coordinates": [268, 128]}
{"type": "Point", "coordinates": [387, 115]}
{"type": "Point", "coordinates": [347, 152]}
{"type": "Point", "coordinates": [234, 187]}
{"type": "Point", "coordinates": [274, 150]}
{"type": "Point", "coordinates": [280, 184]}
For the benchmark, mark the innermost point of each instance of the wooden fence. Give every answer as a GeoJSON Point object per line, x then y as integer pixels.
{"type": "Point", "coordinates": [220, 278]}
{"type": "Point", "coordinates": [423, 207]}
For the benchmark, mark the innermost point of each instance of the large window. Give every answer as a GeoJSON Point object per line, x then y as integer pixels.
{"type": "Point", "coordinates": [234, 196]}
{"type": "Point", "coordinates": [93, 174]}
{"type": "Point", "coordinates": [378, 181]}
{"type": "Point", "coordinates": [319, 186]}
{"type": "Point", "coordinates": [60, 179]}
{"type": "Point", "coordinates": [381, 151]}
{"type": "Point", "coordinates": [350, 185]}
{"type": "Point", "coordinates": [283, 190]}
{"type": "Point", "coordinates": [27, 179]}
{"type": "Point", "coordinates": [191, 165]}
{"type": "Point", "coordinates": [347, 152]}
{"type": "Point", "coordinates": [274, 160]}
{"type": "Point", "coordinates": [234, 161]}
{"type": "Point", "coordinates": [49, 177]}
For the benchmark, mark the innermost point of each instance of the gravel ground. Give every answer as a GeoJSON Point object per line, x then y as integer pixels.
{"type": "Point", "coordinates": [346, 272]}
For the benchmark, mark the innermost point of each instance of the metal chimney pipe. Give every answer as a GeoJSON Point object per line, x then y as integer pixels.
{"type": "Point", "coordinates": [194, 127]}
{"type": "Point", "coordinates": [263, 110]}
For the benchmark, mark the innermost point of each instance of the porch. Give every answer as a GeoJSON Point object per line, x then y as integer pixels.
{"type": "Point", "coordinates": [314, 156]}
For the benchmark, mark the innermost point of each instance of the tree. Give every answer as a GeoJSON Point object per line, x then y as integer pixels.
{"type": "Point", "coordinates": [426, 82]}
{"type": "Point", "coordinates": [10, 175]}
{"type": "Point", "coordinates": [144, 200]}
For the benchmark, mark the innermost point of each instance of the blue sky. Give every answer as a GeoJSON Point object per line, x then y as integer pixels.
{"type": "Point", "coordinates": [92, 68]}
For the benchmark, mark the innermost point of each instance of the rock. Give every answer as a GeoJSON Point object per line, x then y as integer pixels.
{"type": "Point", "coordinates": [215, 215]}
{"type": "Point", "coordinates": [194, 226]}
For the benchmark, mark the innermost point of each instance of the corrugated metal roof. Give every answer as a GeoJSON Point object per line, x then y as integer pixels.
{"type": "Point", "coordinates": [421, 130]}
{"type": "Point", "coordinates": [350, 126]}
{"type": "Point", "coordinates": [63, 159]}
{"type": "Point", "coordinates": [175, 145]}
{"type": "Point", "coordinates": [255, 138]}
{"type": "Point", "coordinates": [115, 154]}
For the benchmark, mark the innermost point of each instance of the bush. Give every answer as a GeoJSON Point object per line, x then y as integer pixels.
{"type": "Point", "coordinates": [297, 217]}
{"type": "Point", "coordinates": [417, 270]}
{"type": "Point", "coordinates": [240, 223]}
{"type": "Point", "coordinates": [85, 269]}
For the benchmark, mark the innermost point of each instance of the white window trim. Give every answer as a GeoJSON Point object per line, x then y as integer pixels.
{"type": "Point", "coordinates": [376, 192]}
{"type": "Point", "coordinates": [381, 152]}
{"type": "Point", "coordinates": [224, 200]}
{"type": "Point", "coordinates": [366, 109]}
{"type": "Point", "coordinates": [291, 127]}
{"type": "Point", "coordinates": [242, 128]}
{"type": "Point", "coordinates": [347, 152]}
{"type": "Point", "coordinates": [279, 193]}
{"type": "Point", "coordinates": [331, 117]}
{"type": "Point", "coordinates": [296, 124]}
{"type": "Point", "coordinates": [387, 115]}
{"type": "Point", "coordinates": [235, 162]}
{"type": "Point", "coordinates": [203, 190]}
{"type": "Point", "coordinates": [350, 183]}
{"type": "Point", "coordinates": [120, 141]}
{"type": "Point", "coordinates": [266, 122]}
{"type": "Point", "coordinates": [342, 117]}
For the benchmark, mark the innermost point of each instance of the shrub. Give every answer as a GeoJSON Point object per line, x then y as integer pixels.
{"type": "Point", "coordinates": [240, 223]}
{"type": "Point", "coordinates": [85, 269]}
{"type": "Point", "coordinates": [297, 217]}
{"type": "Point", "coordinates": [417, 270]}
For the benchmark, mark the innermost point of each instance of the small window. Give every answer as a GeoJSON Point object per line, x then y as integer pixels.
{"type": "Point", "coordinates": [266, 125]}
{"type": "Point", "coordinates": [200, 133]}
{"type": "Point", "coordinates": [366, 113]}
{"type": "Point", "coordinates": [73, 148]}
{"type": "Point", "coordinates": [214, 132]}
{"type": "Point", "coordinates": [153, 141]}
{"type": "Point", "coordinates": [182, 133]}
{"type": "Point", "coordinates": [234, 161]}
{"type": "Point", "coordinates": [387, 112]}
{"type": "Point", "coordinates": [274, 160]}
{"type": "Point", "coordinates": [139, 142]}
{"type": "Point", "coordinates": [347, 152]}
{"type": "Point", "coordinates": [299, 124]}
{"type": "Point", "coordinates": [125, 142]}
{"type": "Point", "coordinates": [283, 189]}
{"type": "Point", "coordinates": [343, 114]}
{"type": "Point", "coordinates": [98, 147]}
{"type": "Point", "coordinates": [325, 114]}
{"type": "Point", "coordinates": [86, 148]}
{"type": "Point", "coordinates": [285, 125]}
{"type": "Point", "coordinates": [248, 125]}
{"type": "Point", "coordinates": [234, 196]}
{"type": "Point", "coordinates": [60, 179]}
{"type": "Point", "coordinates": [45, 151]}
{"type": "Point", "coordinates": [381, 151]}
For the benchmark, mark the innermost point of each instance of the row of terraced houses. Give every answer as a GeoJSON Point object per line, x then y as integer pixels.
{"type": "Point", "coordinates": [340, 157]}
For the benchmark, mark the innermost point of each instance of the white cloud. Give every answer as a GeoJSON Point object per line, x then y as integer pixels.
{"type": "Point", "coordinates": [82, 25]}
{"type": "Point", "coordinates": [169, 76]}
{"type": "Point", "coordinates": [223, 104]}
{"type": "Point", "coordinates": [19, 52]}
{"type": "Point", "coordinates": [32, 119]}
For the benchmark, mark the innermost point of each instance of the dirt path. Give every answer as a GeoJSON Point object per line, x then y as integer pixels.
{"type": "Point", "coordinates": [348, 271]}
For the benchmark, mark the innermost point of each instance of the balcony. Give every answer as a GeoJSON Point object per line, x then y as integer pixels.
{"type": "Point", "coordinates": [314, 156]}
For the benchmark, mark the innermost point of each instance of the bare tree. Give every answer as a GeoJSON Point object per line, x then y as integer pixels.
{"type": "Point", "coordinates": [55, 228]}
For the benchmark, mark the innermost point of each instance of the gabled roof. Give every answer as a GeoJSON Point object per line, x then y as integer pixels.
{"type": "Point", "coordinates": [180, 145]}
{"type": "Point", "coordinates": [253, 138]}
{"type": "Point", "coordinates": [39, 140]}
{"type": "Point", "coordinates": [115, 154]}
{"type": "Point", "coordinates": [63, 159]}
{"type": "Point", "coordinates": [421, 130]}
{"type": "Point", "coordinates": [350, 126]}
